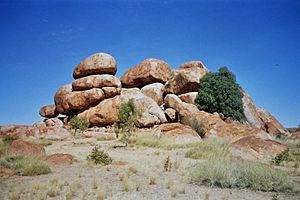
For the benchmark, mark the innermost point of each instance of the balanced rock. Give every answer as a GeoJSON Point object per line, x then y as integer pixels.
{"type": "Point", "coordinates": [48, 111]}
{"type": "Point", "coordinates": [68, 101]}
{"type": "Point", "coordinates": [250, 112]}
{"type": "Point", "coordinates": [186, 78]}
{"type": "Point", "coordinates": [20, 147]}
{"type": "Point", "coordinates": [257, 149]}
{"type": "Point", "coordinates": [98, 63]}
{"type": "Point", "coordinates": [96, 81]}
{"type": "Point", "coordinates": [106, 112]}
{"type": "Point", "coordinates": [148, 71]}
{"type": "Point", "coordinates": [154, 91]}
{"type": "Point", "coordinates": [271, 124]}
{"type": "Point", "coordinates": [189, 97]}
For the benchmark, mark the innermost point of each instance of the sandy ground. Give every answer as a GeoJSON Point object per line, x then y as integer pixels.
{"type": "Point", "coordinates": [91, 181]}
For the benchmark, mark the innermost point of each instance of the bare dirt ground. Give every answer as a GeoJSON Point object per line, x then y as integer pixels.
{"type": "Point", "coordinates": [84, 180]}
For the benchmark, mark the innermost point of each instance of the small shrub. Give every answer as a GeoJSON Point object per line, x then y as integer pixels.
{"type": "Point", "coordinates": [230, 174]}
{"type": "Point", "coordinates": [98, 156]}
{"type": "Point", "coordinates": [152, 180]}
{"type": "Point", "coordinates": [196, 126]}
{"type": "Point", "coordinates": [219, 92]}
{"type": "Point", "coordinates": [168, 164]}
{"type": "Point", "coordinates": [289, 155]}
{"type": "Point", "coordinates": [79, 123]}
{"type": "Point", "coordinates": [128, 116]}
{"type": "Point", "coordinates": [9, 139]}
{"type": "Point", "coordinates": [25, 165]}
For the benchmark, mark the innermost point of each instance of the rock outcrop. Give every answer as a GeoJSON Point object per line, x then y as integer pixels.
{"type": "Point", "coordinates": [258, 149]}
{"type": "Point", "coordinates": [20, 147]}
{"type": "Point", "coordinates": [271, 124]}
{"type": "Point", "coordinates": [106, 112]}
{"type": "Point", "coordinates": [148, 71]}
{"type": "Point", "coordinates": [98, 63]}
{"type": "Point", "coordinates": [186, 78]}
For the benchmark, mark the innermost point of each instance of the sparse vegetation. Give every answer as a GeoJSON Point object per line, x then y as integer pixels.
{"type": "Point", "coordinates": [128, 116]}
{"type": "Point", "coordinates": [79, 123]}
{"type": "Point", "coordinates": [209, 149]}
{"type": "Point", "coordinates": [133, 169]}
{"type": "Point", "coordinates": [167, 164]}
{"type": "Point", "coordinates": [152, 180]}
{"type": "Point", "coordinates": [43, 142]}
{"type": "Point", "coordinates": [9, 139]}
{"type": "Point", "coordinates": [220, 93]}
{"type": "Point", "coordinates": [291, 154]}
{"type": "Point", "coordinates": [98, 156]}
{"type": "Point", "coordinates": [230, 174]}
{"type": "Point", "coordinates": [25, 165]}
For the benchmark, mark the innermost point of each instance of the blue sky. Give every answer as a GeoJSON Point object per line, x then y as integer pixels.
{"type": "Point", "coordinates": [41, 42]}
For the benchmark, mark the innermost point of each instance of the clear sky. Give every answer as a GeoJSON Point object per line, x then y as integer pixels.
{"type": "Point", "coordinates": [41, 42]}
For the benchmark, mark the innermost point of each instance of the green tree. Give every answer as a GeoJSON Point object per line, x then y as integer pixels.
{"type": "Point", "coordinates": [219, 92]}
{"type": "Point", "coordinates": [128, 116]}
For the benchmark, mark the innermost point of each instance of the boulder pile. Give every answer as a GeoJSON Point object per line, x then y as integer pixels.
{"type": "Point", "coordinates": [161, 94]}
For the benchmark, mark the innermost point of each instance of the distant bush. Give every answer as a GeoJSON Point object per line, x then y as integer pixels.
{"type": "Point", "coordinates": [25, 165]}
{"type": "Point", "coordinates": [128, 116]}
{"type": "Point", "coordinates": [9, 139]}
{"type": "Point", "coordinates": [79, 123]}
{"type": "Point", "coordinates": [220, 93]}
{"type": "Point", "coordinates": [98, 156]}
{"type": "Point", "coordinates": [234, 174]}
{"type": "Point", "coordinates": [291, 154]}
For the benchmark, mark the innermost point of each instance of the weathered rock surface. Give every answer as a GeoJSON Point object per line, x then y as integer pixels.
{"type": "Point", "coordinates": [254, 148]}
{"type": "Point", "coordinates": [148, 71]}
{"type": "Point", "coordinates": [98, 63]}
{"type": "Point", "coordinates": [188, 97]}
{"type": "Point", "coordinates": [212, 125]}
{"type": "Point", "coordinates": [154, 91]}
{"type": "Point", "coordinates": [54, 122]}
{"type": "Point", "coordinates": [96, 81]}
{"type": "Point", "coordinates": [69, 102]}
{"type": "Point", "coordinates": [105, 113]}
{"type": "Point", "coordinates": [295, 136]}
{"type": "Point", "coordinates": [111, 91]}
{"type": "Point", "coordinates": [250, 112]}
{"type": "Point", "coordinates": [59, 159]}
{"type": "Point", "coordinates": [48, 111]}
{"type": "Point", "coordinates": [39, 130]}
{"type": "Point", "coordinates": [171, 115]}
{"type": "Point", "coordinates": [179, 132]}
{"type": "Point", "coordinates": [186, 78]}
{"type": "Point", "coordinates": [271, 124]}
{"type": "Point", "coordinates": [20, 147]}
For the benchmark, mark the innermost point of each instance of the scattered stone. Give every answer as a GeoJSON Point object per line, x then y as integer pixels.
{"type": "Point", "coordinates": [99, 63]}
{"type": "Point", "coordinates": [59, 159]}
{"type": "Point", "coordinates": [148, 71]}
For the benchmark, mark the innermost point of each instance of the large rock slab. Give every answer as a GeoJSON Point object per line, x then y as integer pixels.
{"type": "Point", "coordinates": [48, 111]}
{"type": "Point", "coordinates": [189, 97]}
{"type": "Point", "coordinates": [96, 81]}
{"type": "Point", "coordinates": [271, 124]}
{"type": "Point", "coordinates": [20, 147]}
{"type": "Point", "coordinates": [180, 133]}
{"type": "Point", "coordinates": [106, 112]}
{"type": "Point", "coordinates": [148, 71]}
{"type": "Point", "coordinates": [250, 112]}
{"type": "Point", "coordinates": [212, 124]}
{"type": "Point", "coordinates": [186, 78]}
{"type": "Point", "coordinates": [256, 149]}
{"type": "Point", "coordinates": [155, 91]}
{"type": "Point", "coordinates": [68, 101]}
{"type": "Point", "coordinates": [98, 63]}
